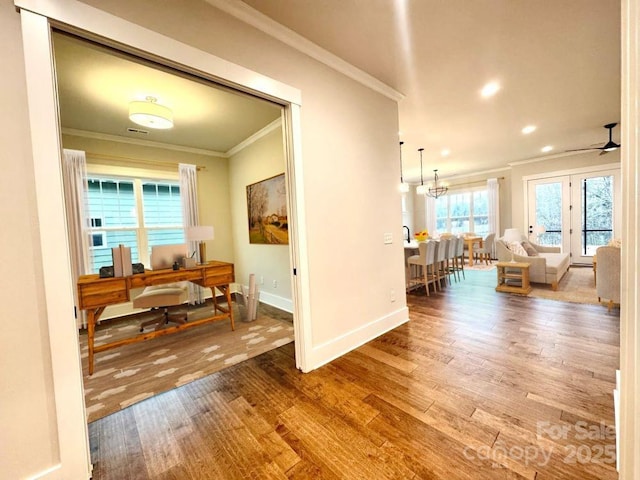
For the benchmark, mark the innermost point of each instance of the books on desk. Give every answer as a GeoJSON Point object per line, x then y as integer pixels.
{"type": "Point", "coordinates": [121, 261]}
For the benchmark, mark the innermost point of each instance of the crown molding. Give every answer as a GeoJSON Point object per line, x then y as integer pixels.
{"type": "Point", "coordinates": [547, 157]}
{"type": "Point", "coordinates": [250, 16]}
{"type": "Point", "coordinates": [476, 174]}
{"type": "Point", "coordinates": [254, 138]}
{"type": "Point", "coordinates": [144, 143]}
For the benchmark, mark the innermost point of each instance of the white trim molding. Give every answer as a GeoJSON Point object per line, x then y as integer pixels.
{"type": "Point", "coordinates": [139, 141]}
{"type": "Point", "coordinates": [73, 441]}
{"type": "Point", "coordinates": [629, 433]}
{"type": "Point", "coordinates": [250, 16]}
{"type": "Point", "coordinates": [326, 352]}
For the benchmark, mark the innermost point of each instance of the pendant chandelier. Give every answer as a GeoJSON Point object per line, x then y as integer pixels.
{"type": "Point", "coordinates": [436, 191]}
{"type": "Point", "coordinates": [404, 187]}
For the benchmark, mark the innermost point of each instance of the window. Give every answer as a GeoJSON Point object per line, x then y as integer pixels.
{"type": "Point", "coordinates": [463, 212]}
{"type": "Point", "coordinates": [133, 212]}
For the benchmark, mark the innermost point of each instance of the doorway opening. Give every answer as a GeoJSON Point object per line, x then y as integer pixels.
{"type": "Point", "coordinates": [236, 140]}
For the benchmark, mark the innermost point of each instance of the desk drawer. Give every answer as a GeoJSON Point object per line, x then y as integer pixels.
{"type": "Point", "coordinates": [219, 275]}
{"type": "Point", "coordinates": [161, 277]}
{"type": "Point", "coordinates": [102, 292]}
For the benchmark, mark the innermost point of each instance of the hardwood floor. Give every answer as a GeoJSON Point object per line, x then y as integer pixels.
{"type": "Point", "coordinates": [478, 385]}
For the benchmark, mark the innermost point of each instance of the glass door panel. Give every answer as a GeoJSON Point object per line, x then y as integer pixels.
{"type": "Point", "coordinates": [549, 221]}
{"type": "Point", "coordinates": [594, 213]}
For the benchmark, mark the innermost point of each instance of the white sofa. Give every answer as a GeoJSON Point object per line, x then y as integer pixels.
{"type": "Point", "coordinates": [548, 266]}
{"type": "Point", "coordinates": [608, 275]}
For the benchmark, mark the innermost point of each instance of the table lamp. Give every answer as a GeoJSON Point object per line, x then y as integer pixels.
{"type": "Point", "coordinates": [511, 235]}
{"type": "Point", "coordinates": [199, 234]}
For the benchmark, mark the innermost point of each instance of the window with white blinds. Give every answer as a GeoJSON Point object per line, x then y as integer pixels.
{"type": "Point", "coordinates": [133, 212]}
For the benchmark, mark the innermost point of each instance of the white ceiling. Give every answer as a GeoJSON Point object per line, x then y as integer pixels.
{"type": "Point", "coordinates": [96, 85]}
{"type": "Point", "coordinates": [558, 63]}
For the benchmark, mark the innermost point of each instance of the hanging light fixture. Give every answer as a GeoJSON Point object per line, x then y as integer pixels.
{"type": "Point", "coordinates": [151, 114]}
{"type": "Point", "coordinates": [421, 189]}
{"type": "Point", "coordinates": [404, 187]}
{"type": "Point", "coordinates": [436, 191]}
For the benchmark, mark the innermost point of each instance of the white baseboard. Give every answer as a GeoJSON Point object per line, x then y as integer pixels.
{"type": "Point", "coordinates": [325, 353]}
{"type": "Point", "coordinates": [52, 472]}
{"type": "Point", "coordinates": [282, 303]}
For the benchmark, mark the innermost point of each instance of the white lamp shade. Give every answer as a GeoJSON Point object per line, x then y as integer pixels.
{"type": "Point", "coordinates": [404, 187]}
{"type": "Point", "coordinates": [199, 233]}
{"type": "Point", "coordinates": [422, 189]}
{"type": "Point", "coordinates": [150, 114]}
{"type": "Point", "coordinates": [512, 235]}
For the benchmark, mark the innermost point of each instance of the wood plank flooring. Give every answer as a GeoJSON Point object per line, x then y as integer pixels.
{"type": "Point", "coordinates": [478, 385]}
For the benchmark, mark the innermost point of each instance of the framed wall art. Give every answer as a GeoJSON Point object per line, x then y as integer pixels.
{"type": "Point", "coordinates": [267, 211]}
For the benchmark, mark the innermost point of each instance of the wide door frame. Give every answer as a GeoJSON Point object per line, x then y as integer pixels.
{"type": "Point", "coordinates": [38, 18]}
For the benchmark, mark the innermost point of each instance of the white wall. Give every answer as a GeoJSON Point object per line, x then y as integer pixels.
{"type": "Point", "coordinates": [28, 434]}
{"type": "Point", "coordinates": [260, 160]}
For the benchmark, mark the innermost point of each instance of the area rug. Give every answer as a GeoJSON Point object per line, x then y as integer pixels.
{"type": "Point", "coordinates": [577, 286]}
{"type": "Point", "coordinates": [480, 266]}
{"type": "Point", "coordinates": [129, 374]}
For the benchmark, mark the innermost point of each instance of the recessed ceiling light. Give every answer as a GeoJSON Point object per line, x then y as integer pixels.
{"type": "Point", "coordinates": [547, 148]}
{"type": "Point", "coordinates": [529, 129]}
{"type": "Point", "coordinates": [445, 152]}
{"type": "Point", "coordinates": [490, 89]}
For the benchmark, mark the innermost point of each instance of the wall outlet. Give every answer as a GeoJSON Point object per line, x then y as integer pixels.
{"type": "Point", "coordinates": [392, 295]}
{"type": "Point", "coordinates": [261, 279]}
{"type": "Point", "coordinates": [275, 284]}
{"type": "Point", "coordinates": [388, 238]}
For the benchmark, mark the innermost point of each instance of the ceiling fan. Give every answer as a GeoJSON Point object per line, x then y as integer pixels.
{"type": "Point", "coordinates": [610, 146]}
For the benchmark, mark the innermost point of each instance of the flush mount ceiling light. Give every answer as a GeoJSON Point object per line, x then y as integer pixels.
{"type": "Point", "coordinates": [529, 129]}
{"type": "Point", "coordinates": [151, 114]}
{"type": "Point", "coordinates": [547, 148]}
{"type": "Point", "coordinates": [445, 152]}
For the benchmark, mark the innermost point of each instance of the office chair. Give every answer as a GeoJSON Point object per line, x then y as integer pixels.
{"type": "Point", "coordinates": [164, 296]}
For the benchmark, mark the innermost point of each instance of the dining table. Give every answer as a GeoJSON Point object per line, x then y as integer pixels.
{"type": "Point", "coordinates": [471, 240]}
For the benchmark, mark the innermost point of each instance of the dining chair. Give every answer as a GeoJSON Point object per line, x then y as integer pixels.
{"type": "Point", "coordinates": [486, 251]}
{"type": "Point", "coordinates": [451, 258]}
{"type": "Point", "coordinates": [441, 262]}
{"type": "Point", "coordinates": [423, 273]}
{"type": "Point", "coordinates": [459, 258]}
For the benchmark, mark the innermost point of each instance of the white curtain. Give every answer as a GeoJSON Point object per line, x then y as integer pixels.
{"type": "Point", "coordinates": [189, 197]}
{"type": "Point", "coordinates": [493, 196]}
{"type": "Point", "coordinates": [74, 177]}
{"type": "Point", "coordinates": [430, 214]}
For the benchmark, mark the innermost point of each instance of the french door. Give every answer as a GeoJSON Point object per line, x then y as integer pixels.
{"type": "Point", "coordinates": [577, 212]}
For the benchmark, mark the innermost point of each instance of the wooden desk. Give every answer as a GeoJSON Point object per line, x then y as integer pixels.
{"type": "Point", "coordinates": [470, 241]}
{"type": "Point", "coordinates": [513, 278]}
{"type": "Point", "coordinates": [95, 294]}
